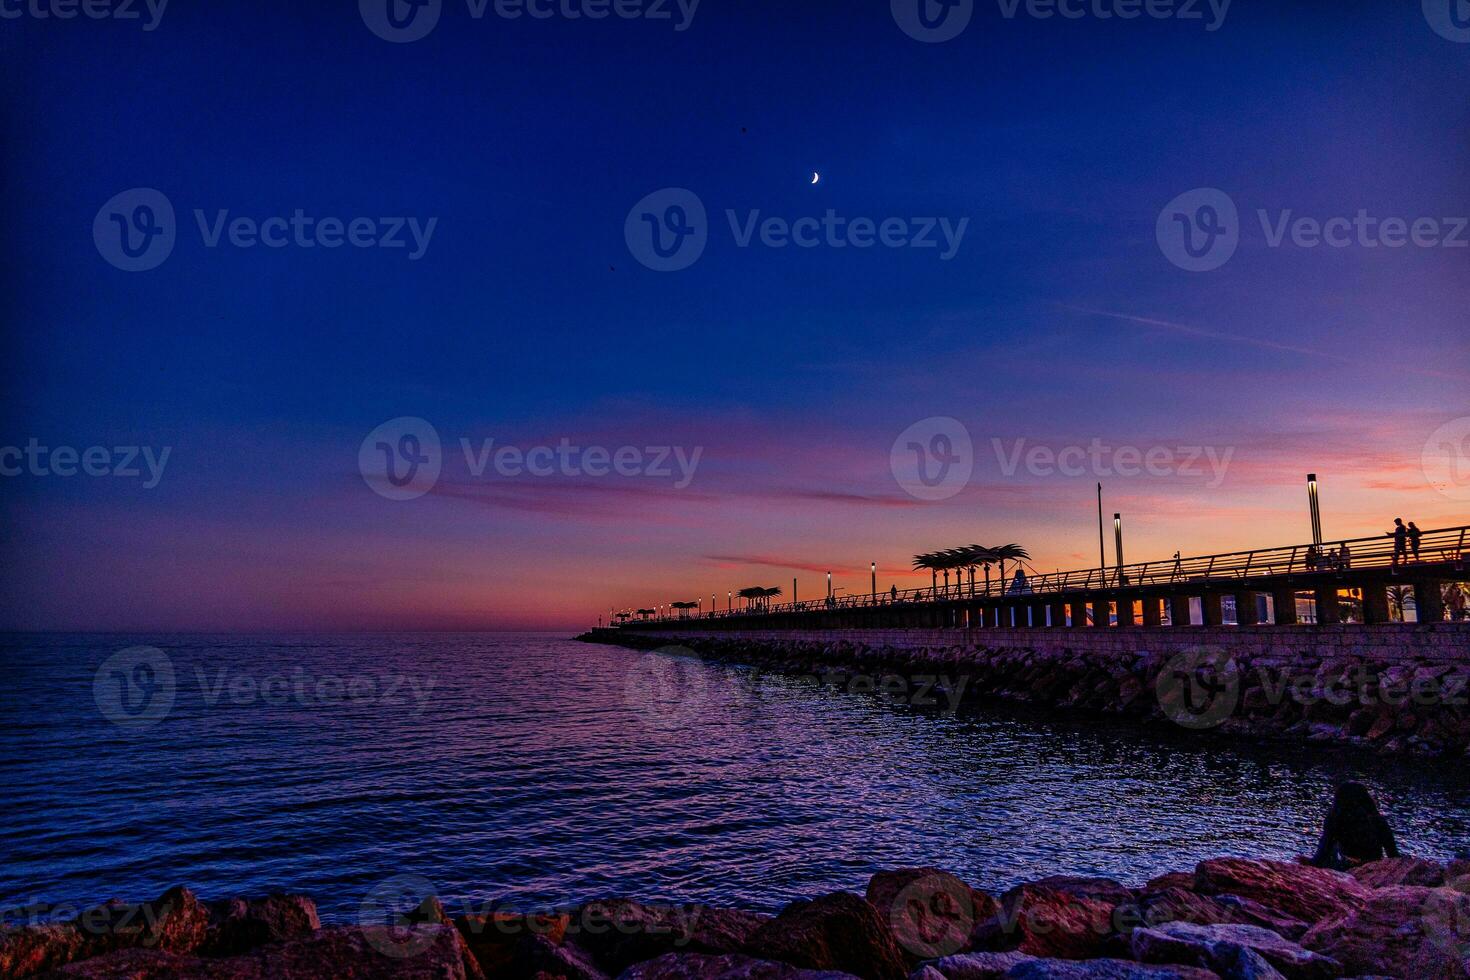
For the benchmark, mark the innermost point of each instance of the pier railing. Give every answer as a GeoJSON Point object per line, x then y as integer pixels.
{"type": "Point", "coordinates": [1334, 558]}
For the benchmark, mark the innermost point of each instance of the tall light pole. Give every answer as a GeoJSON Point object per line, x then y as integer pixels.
{"type": "Point", "coordinates": [873, 568]}
{"type": "Point", "coordinates": [1316, 510]}
{"type": "Point", "coordinates": [1102, 558]}
{"type": "Point", "coordinates": [829, 585]}
{"type": "Point", "coordinates": [1118, 544]}
{"type": "Point", "coordinates": [729, 602]}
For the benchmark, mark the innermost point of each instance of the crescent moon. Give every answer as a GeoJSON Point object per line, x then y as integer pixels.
{"type": "Point", "coordinates": [816, 176]}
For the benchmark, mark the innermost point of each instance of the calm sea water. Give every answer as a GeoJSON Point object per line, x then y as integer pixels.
{"type": "Point", "coordinates": [547, 772]}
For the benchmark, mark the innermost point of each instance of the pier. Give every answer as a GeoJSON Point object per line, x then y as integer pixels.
{"type": "Point", "coordinates": [1351, 581]}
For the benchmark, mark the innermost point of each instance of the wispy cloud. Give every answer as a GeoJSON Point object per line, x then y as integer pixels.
{"type": "Point", "coordinates": [1205, 333]}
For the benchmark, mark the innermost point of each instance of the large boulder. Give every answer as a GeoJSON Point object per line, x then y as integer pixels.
{"type": "Point", "coordinates": [1175, 904]}
{"type": "Point", "coordinates": [1400, 871]}
{"type": "Point", "coordinates": [427, 952]}
{"type": "Point", "coordinates": [1203, 945]}
{"type": "Point", "coordinates": [175, 922]}
{"type": "Point", "coordinates": [621, 932]}
{"type": "Point", "coordinates": [931, 912]}
{"type": "Point", "coordinates": [731, 966]}
{"type": "Point", "coordinates": [1239, 963]}
{"type": "Point", "coordinates": [1098, 889]}
{"type": "Point", "coordinates": [1297, 890]}
{"type": "Point", "coordinates": [237, 925]}
{"type": "Point", "coordinates": [976, 966]}
{"type": "Point", "coordinates": [1104, 969]}
{"type": "Point", "coordinates": [1046, 922]}
{"type": "Point", "coordinates": [1253, 913]}
{"type": "Point", "coordinates": [492, 938]}
{"type": "Point", "coordinates": [1408, 931]}
{"type": "Point", "coordinates": [839, 931]}
{"type": "Point", "coordinates": [537, 955]}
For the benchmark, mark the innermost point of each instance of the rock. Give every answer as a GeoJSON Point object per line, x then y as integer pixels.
{"type": "Point", "coordinates": [1173, 879]}
{"type": "Point", "coordinates": [426, 952]}
{"type": "Point", "coordinates": [621, 932]}
{"type": "Point", "coordinates": [1099, 889]}
{"type": "Point", "coordinates": [931, 912]}
{"type": "Point", "coordinates": [537, 954]}
{"type": "Point", "coordinates": [1252, 913]}
{"type": "Point", "coordinates": [731, 966]}
{"type": "Point", "coordinates": [1181, 905]}
{"type": "Point", "coordinates": [175, 922]}
{"type": "Point", "coordinates": [976, 966]}
{"type": "Point", "coordinates": [1202, 945]}
{"type": "Point", "coordinates": [1406, 931]}
{"type": "Point", "coordinates": [1400, 871]}
{"type": "Point", "coordinates": [1050, 969]}
{"type": "Point", "coordinates": [492, 938]}
{"type": "Point", "coordinates": [238, 924]}
{"type": "Point", "coordinates": [834, 932]}
{"type": "Point", "coordinates": [1239, 963]}
{"type": "Point", "coordinates": [1296, 890]}
{"type": "Point", "coordinates": [1047, 923]}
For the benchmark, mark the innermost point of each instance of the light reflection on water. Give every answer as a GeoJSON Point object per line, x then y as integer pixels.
{"type": "Point", "coordinates": [547, 772]}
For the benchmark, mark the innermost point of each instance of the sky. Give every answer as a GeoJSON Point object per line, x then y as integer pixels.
{"type": "Point", "coordinates": [1033, 293]}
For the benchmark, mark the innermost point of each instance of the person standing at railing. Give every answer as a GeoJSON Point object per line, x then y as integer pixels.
{"type": "Point", "coordinates": [1312, 558]}
{"type": "Point", "coordinates": [893, 594]}
{"type": "Point", "coordinates": [1400, 535]}
{"type": "Point", "coordinates": [1414, 535]}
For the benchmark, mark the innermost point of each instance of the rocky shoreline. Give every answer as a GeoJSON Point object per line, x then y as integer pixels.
{"type": "Point", "coordinates": [1391, 705]}
{"type": "Point", "coordinates": [1231, 918]}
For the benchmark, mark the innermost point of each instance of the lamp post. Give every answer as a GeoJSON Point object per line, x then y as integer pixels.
{"type": "Point", "coordinates": [873, 569]}
{"type": "Point", "coordinates": [829, 585]}
{"type": "Point", "coordinates": [1316, 509]}
{"type": "Point", "coordinates": [729, 602]}
{"type": "Point", "coordinates": [1118, 545]}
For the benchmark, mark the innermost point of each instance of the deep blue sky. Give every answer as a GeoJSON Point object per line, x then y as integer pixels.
{"type": "Point", "coordinates": [528, 319]}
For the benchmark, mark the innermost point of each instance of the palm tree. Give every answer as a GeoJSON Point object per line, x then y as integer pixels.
{"type": "Point", "coordinates": [683, 608]}
{"type": "Point", "coordinates": [767, 595]}
{"type": "Point", "coordinates": [933, 562]}
{"type": "Point", "coordinates": [645, 613]}
{"type": "Point", "coordinates": [751, 594]}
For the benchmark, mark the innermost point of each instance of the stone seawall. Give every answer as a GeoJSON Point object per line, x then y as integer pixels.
{"type": "Point", "coordinates": [1394, 689]}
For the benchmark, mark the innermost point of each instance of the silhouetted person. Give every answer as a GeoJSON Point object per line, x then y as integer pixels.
{"type": "Point", "coordinates": [1312, 558]}
{"type": "Point", "coordinates": [1414, 535]}
{"type": "Point", "coordinates": [1344, 557]}
{"type": "Point", "coordinates": [1355, 832]}
{"type": "Point", "coordinates": [1400, 535]}
{"type": "Point", "coordinates": [893, 594]}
